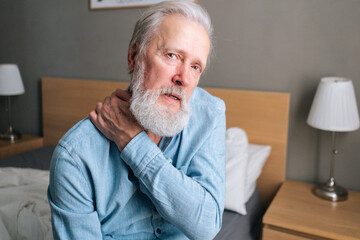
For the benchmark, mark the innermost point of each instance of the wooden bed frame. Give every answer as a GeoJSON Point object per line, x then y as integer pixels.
{"type": "Point", "coordinates": [263, 115]}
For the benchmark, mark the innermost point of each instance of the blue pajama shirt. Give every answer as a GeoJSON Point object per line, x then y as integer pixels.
{"type": "Point", "coordinates": [172, 191]}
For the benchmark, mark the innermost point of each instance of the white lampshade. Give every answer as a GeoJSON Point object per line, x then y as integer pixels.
{"type": "Point", "coordinates": [10, 80]}
{"type": "Point", "coordinates": [334, 107]}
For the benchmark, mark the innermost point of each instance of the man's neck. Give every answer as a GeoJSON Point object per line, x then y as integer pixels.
{"type": "Point", "coordinates": [155, 138]}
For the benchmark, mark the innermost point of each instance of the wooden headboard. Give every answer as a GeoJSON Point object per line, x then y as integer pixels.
{"type": "Point", "coordinates": [263, 115]}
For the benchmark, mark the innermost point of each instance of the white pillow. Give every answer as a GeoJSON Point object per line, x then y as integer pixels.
{"type": "Point", "coordinates": [244, 163]}
{"type": "Point", "coordinates": [236, 163]}
{"type": "Point", "coordinates": [257, 158]}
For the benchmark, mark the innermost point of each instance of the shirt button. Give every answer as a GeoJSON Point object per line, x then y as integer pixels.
{"type": "Point", "coordinates": [158, 231]}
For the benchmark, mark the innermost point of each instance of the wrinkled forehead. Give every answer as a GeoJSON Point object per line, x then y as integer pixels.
{"type": "Point", "coordinates": [182, 35]}
{"type": "Point", "coordinates": [173, 23]}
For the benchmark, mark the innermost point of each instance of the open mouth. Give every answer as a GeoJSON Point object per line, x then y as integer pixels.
{"type": "Point", "coordinates": [172, 96]}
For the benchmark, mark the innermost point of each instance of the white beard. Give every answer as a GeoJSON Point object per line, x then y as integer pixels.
{"type": "Point", "coordinates": [152, 116]}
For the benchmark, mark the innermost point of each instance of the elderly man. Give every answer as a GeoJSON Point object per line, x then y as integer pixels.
{"type": "Point", "coordinates": [149, 163]}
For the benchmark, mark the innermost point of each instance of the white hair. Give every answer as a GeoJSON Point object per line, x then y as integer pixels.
{"type": "Point", "coordinates": [148, 24]}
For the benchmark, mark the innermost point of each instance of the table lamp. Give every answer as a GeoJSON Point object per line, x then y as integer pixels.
{"type": "Point", "coordinates": [10, 85]}
{"type": "Point", "coordinates": [334, 109]}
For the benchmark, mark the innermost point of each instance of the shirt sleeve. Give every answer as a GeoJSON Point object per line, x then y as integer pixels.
{"type": "Point", "coordinates": [191, 201]}
{"type": "Point", "coordinates": [70, 198]}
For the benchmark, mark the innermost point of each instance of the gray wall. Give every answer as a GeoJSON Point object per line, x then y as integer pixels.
{"type": "Point", "coordinates": [281, 45]}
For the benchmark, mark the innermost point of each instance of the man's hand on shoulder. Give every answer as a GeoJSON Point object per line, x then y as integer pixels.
{"type": "Point", "coordinates": [114, 119]}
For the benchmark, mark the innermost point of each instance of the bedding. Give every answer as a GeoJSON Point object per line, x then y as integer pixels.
{"type": "Point", "coordinates": [244, 163]}
{"type": "Point", "coordinates": [236, 165]}
{"type": "Point", "coordinates": [242, 227]}
{"type": "Point", "coordinates": [258, 155]}
{"type": "Point", "coordinates": [36, 159]}
{"type": "Point", "coordinates": [24, 210]}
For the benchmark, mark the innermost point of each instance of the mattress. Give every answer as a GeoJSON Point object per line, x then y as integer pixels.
{"type": "Point", "coordinates": [37, 159]}
{"type": "Point", "coordinates": [242, 227]}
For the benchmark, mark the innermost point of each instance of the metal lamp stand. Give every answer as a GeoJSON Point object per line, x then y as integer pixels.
{"type": "Point", "coordinates": [10, 134]}
{"type": "Point", "coordinates": [329, 190]}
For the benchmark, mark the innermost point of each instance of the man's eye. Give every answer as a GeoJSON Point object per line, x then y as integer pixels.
{"type": "Point", "coordinates": [171, 55]}
{"type": "Point", "coordinates": [196, 68]}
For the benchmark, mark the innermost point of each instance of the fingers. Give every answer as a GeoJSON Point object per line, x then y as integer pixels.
{"type": "Point", "coordinates": [99, 120]}
{"type": "Point", "coordinates": [113, 118]}
{"type": "Point", "coordinates": [118, 98]}
{"type": "Point", "coordinates": [123, 95]}
{"type": "Point", "coordinates": [93, 116]}
{"type": "Point", "coordinates": [112, 105]}
{"type": "Point", "coordinates": [106, 102]}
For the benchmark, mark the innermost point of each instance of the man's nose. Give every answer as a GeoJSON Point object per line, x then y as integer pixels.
{"type": "Point", "coordinates": [182, 76]}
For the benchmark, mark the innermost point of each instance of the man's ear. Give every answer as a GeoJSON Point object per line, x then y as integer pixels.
{"type": "Point", "coordinates": [132, 53]}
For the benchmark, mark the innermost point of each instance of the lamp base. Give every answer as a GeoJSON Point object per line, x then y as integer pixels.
{"type": "Point", "coordinates": [10, 135]}
{"type": "Point", "coordinates": [330, 191]}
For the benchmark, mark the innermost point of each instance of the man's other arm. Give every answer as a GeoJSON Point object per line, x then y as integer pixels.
{"type": "Point", "coordinates": [70, 198]}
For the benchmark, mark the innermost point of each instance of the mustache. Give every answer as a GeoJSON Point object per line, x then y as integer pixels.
{"type": "Point", "coordinates": [173, 90]}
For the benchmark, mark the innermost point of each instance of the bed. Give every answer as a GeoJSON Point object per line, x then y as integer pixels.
{"type": "Point", "coordinates": [262, 117]}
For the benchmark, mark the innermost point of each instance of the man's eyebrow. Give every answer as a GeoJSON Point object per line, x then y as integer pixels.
{"type": "Point", "coordinates": [177, 50]}
{"type": "Point", "coordinates": [167, 49]}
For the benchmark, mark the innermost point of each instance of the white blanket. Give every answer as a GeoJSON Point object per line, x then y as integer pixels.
{"type": "Point", "coordinates": [24, 209]}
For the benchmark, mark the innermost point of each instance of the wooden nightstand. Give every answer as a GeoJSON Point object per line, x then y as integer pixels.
{"type": "Point", "coordinates": [25, 143]}
{"type": "Point", "coordinates": [296, 213]}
